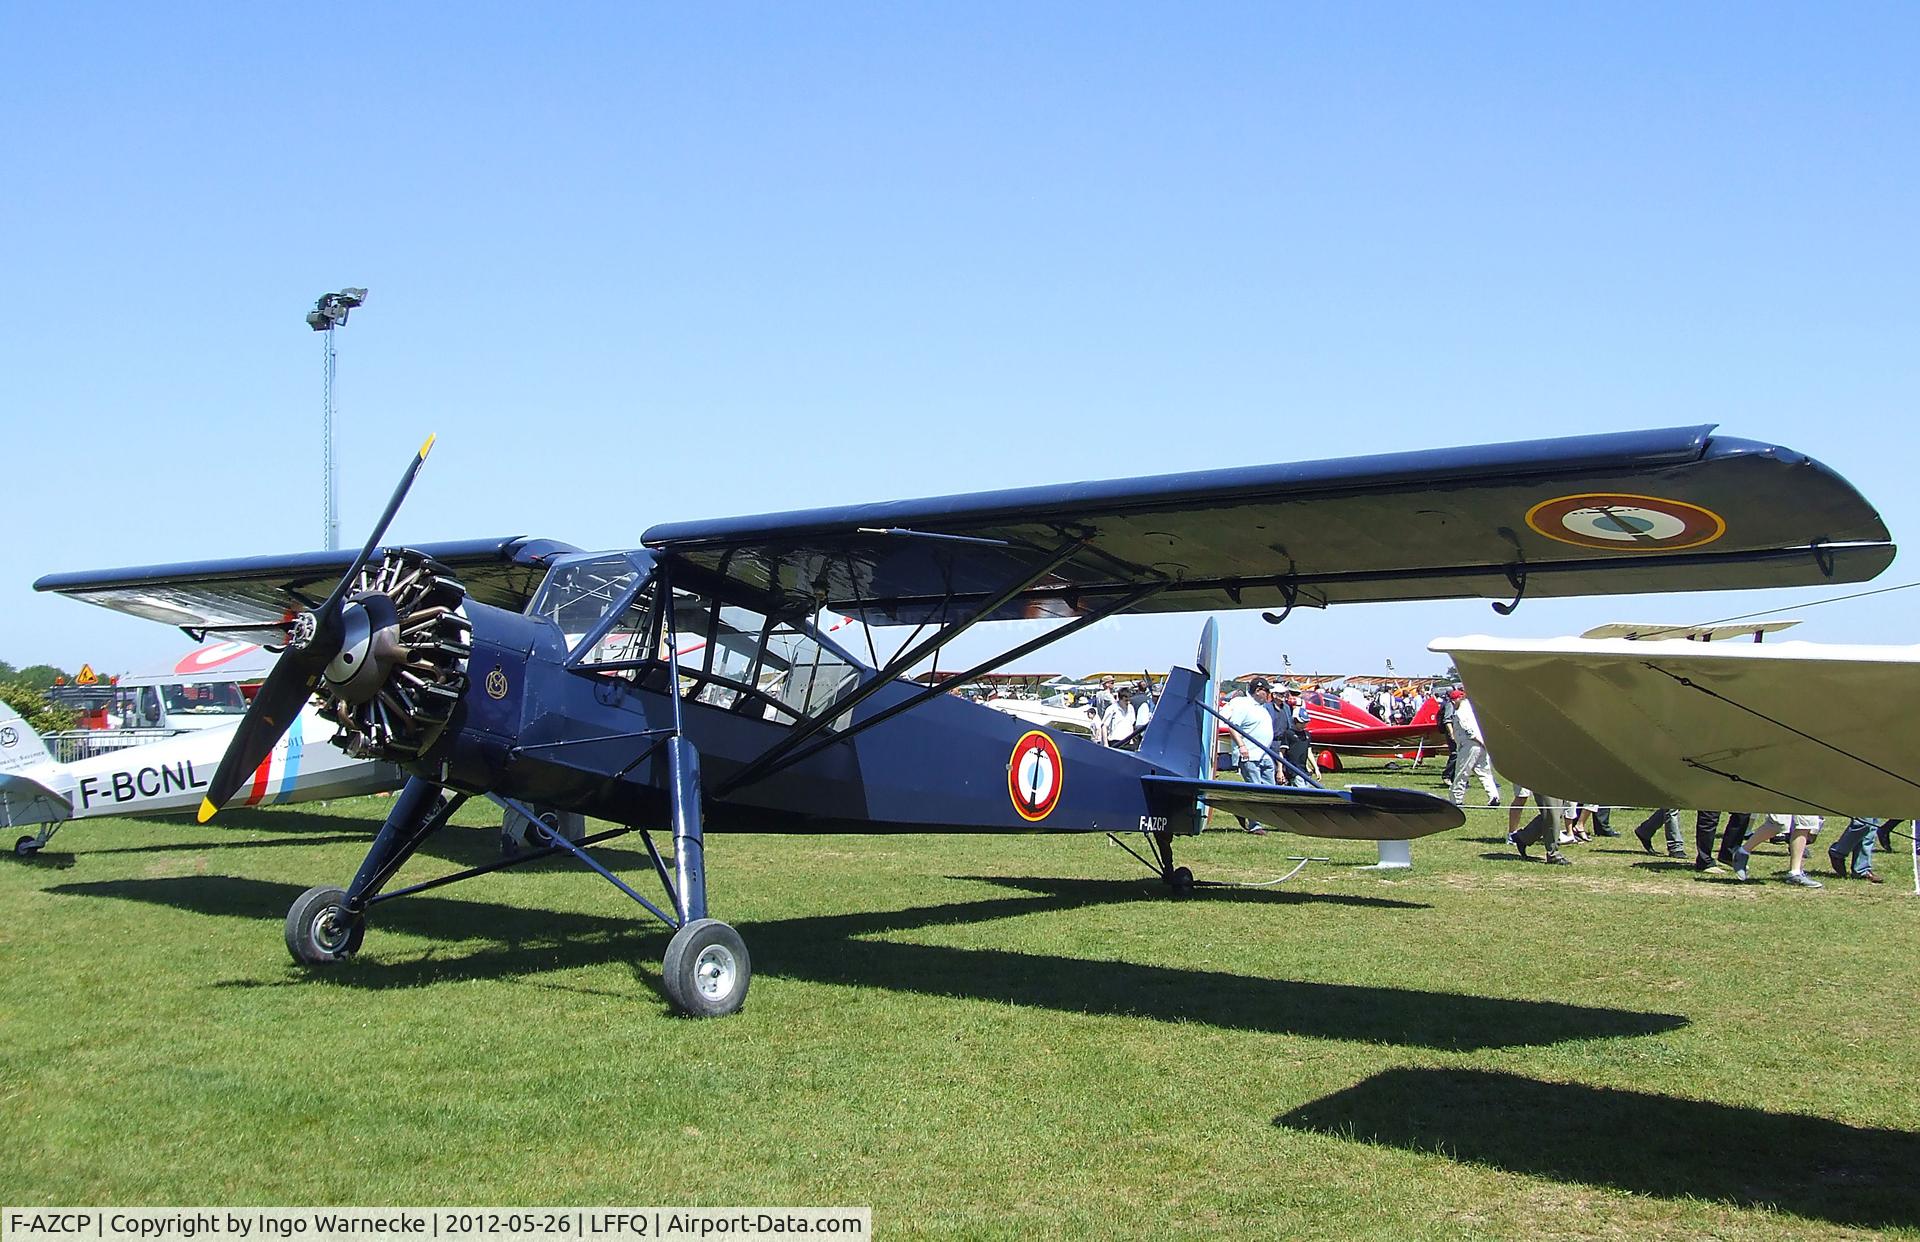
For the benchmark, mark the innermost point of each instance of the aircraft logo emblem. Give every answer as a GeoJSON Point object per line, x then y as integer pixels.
{"type": "Point", "coordinates": [496, 684]}
{"type": "Point", "coordinates": [213, 656]}
{"type": "Point", "coordinates": [1624, 522]}
{"type": "Point", "coordinates": [1034, 776]}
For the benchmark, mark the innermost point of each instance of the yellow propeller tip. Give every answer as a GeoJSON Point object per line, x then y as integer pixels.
{"type": "Point", "coordinates": [428, 446]}
{"type": "Point", "coordinates": [207, 809]}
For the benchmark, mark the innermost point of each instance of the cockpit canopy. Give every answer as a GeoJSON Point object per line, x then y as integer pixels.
{"type": "Point", "coordinates": [730, 655]}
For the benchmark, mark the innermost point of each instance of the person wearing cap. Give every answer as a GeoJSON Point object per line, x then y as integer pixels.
{"type": "Point", "coordinates": [1103, 701]}
{"type": "Point", "coordinates": [1252, 738]}
{"type": "Point", "coordinates": [1294, 741]}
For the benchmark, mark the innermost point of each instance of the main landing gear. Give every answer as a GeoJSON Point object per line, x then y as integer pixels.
{"type": "Point", "coordinates": [707, 969]}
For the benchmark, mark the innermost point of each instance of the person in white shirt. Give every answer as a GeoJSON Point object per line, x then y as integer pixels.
{"type": "Point", "coordinates": [1471, 751]}
{"type": "Point", "coordinates": [1118, 722]}
{"type": "Point", "coordinates": [1252, 727]}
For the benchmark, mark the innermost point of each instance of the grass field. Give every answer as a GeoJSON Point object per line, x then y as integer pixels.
{"type": "Point", "coordinates": [978, 1037]}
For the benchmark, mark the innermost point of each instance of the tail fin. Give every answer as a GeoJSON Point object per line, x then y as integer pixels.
{"type": "Point", "coordinates": [20, 746]}
{"type": "Point", "coordinates": [1180, 735]}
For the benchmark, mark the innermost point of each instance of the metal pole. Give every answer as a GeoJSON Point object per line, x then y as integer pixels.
{"type": "Point", "coordinates": [330, 491]}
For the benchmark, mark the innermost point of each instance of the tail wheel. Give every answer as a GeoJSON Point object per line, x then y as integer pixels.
{"type": "Point", "coordinates": [402, 669]}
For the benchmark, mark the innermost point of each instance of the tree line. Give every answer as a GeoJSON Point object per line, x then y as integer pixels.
{"type": "Point", "coordinates": [25, 691]}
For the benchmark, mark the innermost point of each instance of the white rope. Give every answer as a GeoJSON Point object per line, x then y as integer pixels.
{"type": "Point", "coordinates": [1298, 860]}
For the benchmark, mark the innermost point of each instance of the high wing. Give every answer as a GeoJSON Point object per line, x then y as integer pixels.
{"type": "Point", "coordinates": [1804, 727]}
{"type": "Point", "coordinates": [1621, 513]}
{"type": "Point", "coordinates": [252, 597]}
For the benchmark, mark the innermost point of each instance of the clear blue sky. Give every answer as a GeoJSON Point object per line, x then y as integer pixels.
{"type": "Point", "coordinates": [640, 263]}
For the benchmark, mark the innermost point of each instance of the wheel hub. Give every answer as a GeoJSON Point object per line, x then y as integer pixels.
{"type": "Point", "coordinates": [331, 929]}
{"type": "Point", "coordinates": [715, 971]}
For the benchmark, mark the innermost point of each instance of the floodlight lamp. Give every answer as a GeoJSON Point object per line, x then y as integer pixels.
{"type": "Point", "coordinates": [331, 310]}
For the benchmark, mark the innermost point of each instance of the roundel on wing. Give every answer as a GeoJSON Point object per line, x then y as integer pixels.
{"type": "Point", "coordinates": [1034, 776]}
{"type": "Point", "coordinates": [1623, 522]}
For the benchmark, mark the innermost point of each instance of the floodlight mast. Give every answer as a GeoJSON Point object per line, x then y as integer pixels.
{"type": "Point", "coordinates": [328, 313]}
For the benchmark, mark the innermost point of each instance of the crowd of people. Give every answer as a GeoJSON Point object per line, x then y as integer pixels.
{"type": "Point", "coordinates": [1120, 713]}
{"type": "Point", "coordinates": [1557, 822]}
{"type": "Point", "coordinates": [1272, 747]}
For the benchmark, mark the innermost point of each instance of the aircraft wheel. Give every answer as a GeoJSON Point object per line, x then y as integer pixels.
{"type": "Point", "coordinates": [707, 970]}
{"type": "Point", "coordinates": [26, 847]}
{"type": "Point", "coordinates": [319, 929]}
{"type": "Point", "coordinates": [1180, 880]}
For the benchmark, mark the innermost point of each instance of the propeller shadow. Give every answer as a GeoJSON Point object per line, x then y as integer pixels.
{"type": "Point", "coordinates": [1634, 1141]}
{"type": "Point", "coordinates": [505, 941]}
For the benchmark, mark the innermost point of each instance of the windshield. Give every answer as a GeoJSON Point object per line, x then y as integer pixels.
{"type": "Point", "coordinates": [578, 594]}
{"type": "Point", "coordinates": [204, 698]}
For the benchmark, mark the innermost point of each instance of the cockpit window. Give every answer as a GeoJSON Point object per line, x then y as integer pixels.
{"type": "Point", "coordinates": [576, 596]}
{"type": "Point", "coordinates": [205, 698]}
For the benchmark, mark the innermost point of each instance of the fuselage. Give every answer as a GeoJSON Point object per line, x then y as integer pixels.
{"type": "Point", "coordinates": [548, 719]}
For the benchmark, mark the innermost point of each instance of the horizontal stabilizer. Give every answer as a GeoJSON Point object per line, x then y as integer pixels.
{"type": "Point", "coordinates": [1361, 813]}
{"type": "Point", "coordinates": [26, 801]}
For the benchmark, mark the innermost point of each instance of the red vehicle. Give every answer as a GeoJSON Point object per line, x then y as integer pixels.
{"type": "Point", "coordinates": [1338, 727]}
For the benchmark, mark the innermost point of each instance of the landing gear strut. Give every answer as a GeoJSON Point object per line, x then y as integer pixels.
{"type": "Point", "coordinates": [706, 970]}
{"type": "Point", "coordinates": [326, 925]}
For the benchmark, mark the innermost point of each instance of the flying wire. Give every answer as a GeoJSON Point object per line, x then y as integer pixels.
{"type": "Point", "coordinates": [1691, 684]}
{"type": "Point", "coordinates": [1768, 612]}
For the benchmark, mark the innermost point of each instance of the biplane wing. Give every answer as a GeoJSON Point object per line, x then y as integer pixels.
{"type": "Point", "coordinates": [1621, 513]}
{"type": "Point", "coordinates": [1358, 813]}
{"type": "Point", "coordinates": [252, 597]}
{"type": "Point", "coordinates": [1803, 727]}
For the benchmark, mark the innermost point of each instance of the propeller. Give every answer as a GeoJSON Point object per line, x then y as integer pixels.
{"type": "Point", "coordinates": [328, 634]}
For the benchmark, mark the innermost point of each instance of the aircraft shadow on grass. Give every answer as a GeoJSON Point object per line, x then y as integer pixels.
{"type": "Point", "coordinates": [462, 846]}
{"type": "Point", "coordinates": [515, 941]}
{"type": "Point", "coordinates": [1638, 1142]}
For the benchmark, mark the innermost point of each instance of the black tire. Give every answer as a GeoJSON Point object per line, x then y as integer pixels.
{"type": "Point", "coordinates": [26, 847]}
{"type": "Point", "coordinates": [1180, 881]}
{"type": "Point", "coordinates": [320, 931]}
{"type": "Point", "coordinates": [706, 970]}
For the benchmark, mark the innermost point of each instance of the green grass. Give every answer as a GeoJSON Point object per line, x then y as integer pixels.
{"type": "Point", "coordinates": [977, 1036]}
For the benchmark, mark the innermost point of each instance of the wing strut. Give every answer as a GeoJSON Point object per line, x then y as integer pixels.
{"type": "Point", "coordinates": [901, 662]}
{"type": "Point", "coordinates": [945, 684]}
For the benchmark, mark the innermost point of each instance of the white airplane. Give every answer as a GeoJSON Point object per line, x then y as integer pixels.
{"type": "Point", "coordinates": [1810, 728]}
{"type": "Point", "coordinates": [169, 775]}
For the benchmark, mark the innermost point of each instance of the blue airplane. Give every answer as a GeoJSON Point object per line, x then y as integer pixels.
{"type": "Point", "coordinates": [708, 679]}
